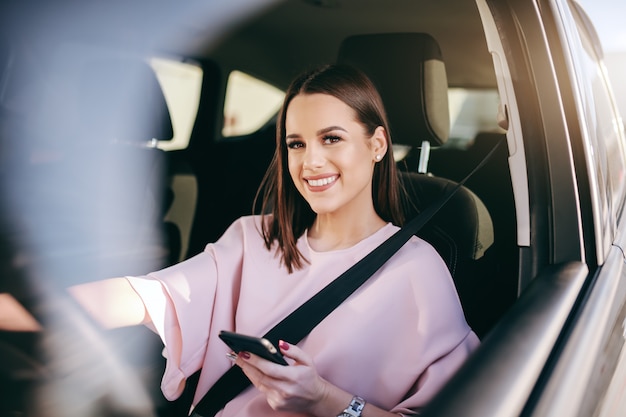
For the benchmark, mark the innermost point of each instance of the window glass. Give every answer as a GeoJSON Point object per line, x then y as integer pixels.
{"type": "Point", "coordinates": [249, 104]}
{"type": "Point", "coordinates": [181, 83]}
{"type": "Point", "coordinates": [471, 111]}
{"type": "Point", "coordinates": [602, 130]}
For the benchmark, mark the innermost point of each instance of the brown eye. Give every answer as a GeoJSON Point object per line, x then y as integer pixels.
{"type": "Point", "coordinates": [328, 139]}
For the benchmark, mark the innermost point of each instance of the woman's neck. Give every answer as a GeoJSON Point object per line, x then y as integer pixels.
{"type": "Point", "coordinates": [333, 232]}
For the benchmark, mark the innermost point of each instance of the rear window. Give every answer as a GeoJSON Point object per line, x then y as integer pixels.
{"type": "Point", "coordinates": [249, 104]}
{"type": "Point", "coordinates": [471, 111]}
{"type": "Point", "coordinates": [181, 83]}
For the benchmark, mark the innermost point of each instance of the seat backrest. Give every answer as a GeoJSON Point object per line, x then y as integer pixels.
{"type": "Point", "coordinates": [408, 70]}
{"type": "Point", "coordinates": [492, 184]}
{"type": "Point", "coordinates": [461, 230]}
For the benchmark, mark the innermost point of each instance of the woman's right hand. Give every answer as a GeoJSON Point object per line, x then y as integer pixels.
{"type": "Point", "coordinates": [111, 302]}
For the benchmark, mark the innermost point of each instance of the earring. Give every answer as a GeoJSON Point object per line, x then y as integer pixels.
{"type": "Point", "coordinates": [378, 157]}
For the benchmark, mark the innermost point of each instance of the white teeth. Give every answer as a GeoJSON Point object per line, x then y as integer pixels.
{"type": "Point", "coordinates": [321, 182]}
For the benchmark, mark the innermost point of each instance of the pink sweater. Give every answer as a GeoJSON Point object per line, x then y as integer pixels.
{"type": "Point", "coordinates": [394, 342]}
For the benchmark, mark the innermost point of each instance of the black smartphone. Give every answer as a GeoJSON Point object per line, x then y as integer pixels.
{"type": "Point", "coordinates": [257, 345]}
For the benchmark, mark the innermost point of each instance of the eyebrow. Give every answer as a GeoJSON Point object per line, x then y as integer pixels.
{"type": "Point", "coordinates": [319, 132]}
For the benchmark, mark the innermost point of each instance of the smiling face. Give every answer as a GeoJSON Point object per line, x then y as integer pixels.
{"type": "Point", "coordinates": [330, 156]}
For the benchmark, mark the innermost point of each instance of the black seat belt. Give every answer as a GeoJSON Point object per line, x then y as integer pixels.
{"type": "Point", "coordinates": [301, 321]}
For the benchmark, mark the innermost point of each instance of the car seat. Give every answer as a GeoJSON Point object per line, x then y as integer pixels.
{"type": "Point", "coordinates": [409, 72]}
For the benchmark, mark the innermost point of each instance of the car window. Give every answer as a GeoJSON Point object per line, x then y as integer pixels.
{"type": "Point", "coordinates": [249, 104]}
{"type": "Point", "coordinates": [181, 83]}
{"type": "Point", "coordinates": [604, 127]}
{"type": "Point", "coordinates": [471, 111]}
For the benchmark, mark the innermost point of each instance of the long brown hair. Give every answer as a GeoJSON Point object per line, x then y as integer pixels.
{"type": "Point", "coordinates": [291, 214]}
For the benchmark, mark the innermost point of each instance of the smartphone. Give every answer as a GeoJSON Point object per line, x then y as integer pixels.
{"type": "Point", "coordinates": [257, 345]}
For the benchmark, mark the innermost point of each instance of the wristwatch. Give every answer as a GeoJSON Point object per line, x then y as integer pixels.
{"type": "Point", "coordinates": [354, 409]}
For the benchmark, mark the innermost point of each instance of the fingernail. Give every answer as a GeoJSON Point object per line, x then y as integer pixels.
{"type": "Point", "coordinates": [283, 345]}
{"type": "Point", "coordinates": [245, 355]}
{"type": "Point", "coordinates": [232, 356]}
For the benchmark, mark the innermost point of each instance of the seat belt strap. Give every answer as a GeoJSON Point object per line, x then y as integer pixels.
{"type": "Point", "coordinates": [301, 321]}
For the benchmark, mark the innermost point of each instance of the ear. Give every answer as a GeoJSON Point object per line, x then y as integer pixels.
{"type": "Point", "coordinates": [379, 142]}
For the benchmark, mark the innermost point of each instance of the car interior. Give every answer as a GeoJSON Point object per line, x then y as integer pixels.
{"type": "Point", "coordinates": [158, 124]}
{"type": "Point", "coordinates": [414, 66]}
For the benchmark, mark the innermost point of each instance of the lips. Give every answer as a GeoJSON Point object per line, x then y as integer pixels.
{"type": "Point", "coordinates": [321, 183]}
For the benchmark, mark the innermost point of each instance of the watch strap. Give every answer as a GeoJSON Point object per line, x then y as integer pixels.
{"type": "Point", "coordinates": [355, 407]}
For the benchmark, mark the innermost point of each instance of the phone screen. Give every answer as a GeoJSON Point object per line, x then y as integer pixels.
{"type": "Point", "coordinates": [257, 345]}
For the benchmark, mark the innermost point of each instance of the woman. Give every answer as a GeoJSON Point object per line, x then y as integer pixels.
{"type": "Point", "coordinates": [334, 194]}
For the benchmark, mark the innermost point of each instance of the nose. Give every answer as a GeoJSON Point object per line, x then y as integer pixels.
{"type": "Point", "coordinates": [313, 156]}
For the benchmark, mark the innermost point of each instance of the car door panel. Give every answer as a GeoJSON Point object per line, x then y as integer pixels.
{"type": "Point", "coordinates": [586, 358]}
{"type": "Point", "coordinates": [500, 377]}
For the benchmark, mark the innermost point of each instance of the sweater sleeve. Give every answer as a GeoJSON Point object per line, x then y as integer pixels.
{"type": "Point", "coordinates": [187, 301]}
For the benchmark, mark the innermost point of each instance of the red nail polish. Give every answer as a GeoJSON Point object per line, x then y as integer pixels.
{"type": "Point", "coordinates": [283, 345]}
{"type": "Point", "coordinates": [245, 355]}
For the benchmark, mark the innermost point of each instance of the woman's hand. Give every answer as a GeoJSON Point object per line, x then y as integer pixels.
{"type": "Point", "coordinates": [295, 388]}
{"type": "Point", "coordinates": [298, 388]}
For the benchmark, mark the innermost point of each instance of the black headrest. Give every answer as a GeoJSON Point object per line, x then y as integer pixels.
{"type": "Point", "coordinates": [408, 70]}
{"type": "Point", "coordinates": [123, 100]}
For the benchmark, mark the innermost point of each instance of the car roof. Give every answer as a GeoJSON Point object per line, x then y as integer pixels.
{"type": "Point", "coordinates": [271, 39]}
{"type": "Point", "coordinates": [292, 35]}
